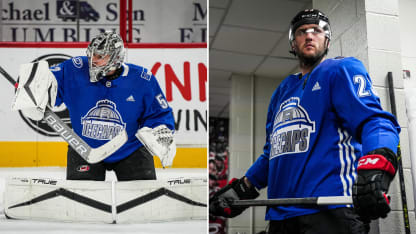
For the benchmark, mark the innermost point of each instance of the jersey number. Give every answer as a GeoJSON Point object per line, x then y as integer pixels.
{"type": "Point", "coordinates": [162, 101]}
{"type": "Point", "coordinates": [360, 80]}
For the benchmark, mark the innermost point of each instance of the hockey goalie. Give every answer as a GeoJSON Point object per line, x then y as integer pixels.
{"type": "Point", "coordinates": [120, 120]}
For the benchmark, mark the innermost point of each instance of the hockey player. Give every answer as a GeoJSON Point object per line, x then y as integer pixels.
{"type": "Point", "coordinates": [326, 135]}
{"type": "Point", "coordinates": [105, 96]}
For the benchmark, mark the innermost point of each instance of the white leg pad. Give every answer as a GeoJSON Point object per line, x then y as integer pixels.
{"type": "Point", "coordinates": [180, 199]}
{"type": "Point", "coordinates": [106, 202]}
{"type": "Point", "coordinates": [58, 200]}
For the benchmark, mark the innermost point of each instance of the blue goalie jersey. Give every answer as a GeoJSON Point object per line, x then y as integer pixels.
{"type": "Point", "coordinates": [100, 110]}
{"type": "Point", "coordinates": [316, 134]}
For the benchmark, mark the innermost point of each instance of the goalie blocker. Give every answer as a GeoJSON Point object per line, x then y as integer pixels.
{"type": "Point", "coordinates": [106, 202]}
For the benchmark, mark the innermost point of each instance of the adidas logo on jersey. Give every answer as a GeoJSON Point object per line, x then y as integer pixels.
{"type": "Point", "coordinates": [316, 86]}
{"type": "Point", "coordinates": [130, 99]}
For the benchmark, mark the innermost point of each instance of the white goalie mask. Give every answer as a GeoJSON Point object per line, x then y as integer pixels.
{"type": "Point", "coordinates": [106, 43]}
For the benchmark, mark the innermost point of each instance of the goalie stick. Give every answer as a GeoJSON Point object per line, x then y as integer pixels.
{"type": "Point", "coordinates": [399, 157]}
{"type": "Point", "coordinates": [91, 155]}
{"type": "Point", "coordinates": [336, 200]}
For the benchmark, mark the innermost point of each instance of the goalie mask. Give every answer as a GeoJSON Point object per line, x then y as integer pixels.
{"type": "Point", "coordinates": [105, 44]}
{"type": "Point", "coordinates": [309, 16]}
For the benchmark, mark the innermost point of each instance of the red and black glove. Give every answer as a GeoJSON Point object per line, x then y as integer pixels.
{"type": "Point", "coordinates": [375, 171]}
{"type": "Point", "coordinates": [219, 203]}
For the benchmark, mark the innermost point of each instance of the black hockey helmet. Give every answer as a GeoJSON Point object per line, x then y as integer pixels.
{"type": "Point", "coordinates": [309, 16]}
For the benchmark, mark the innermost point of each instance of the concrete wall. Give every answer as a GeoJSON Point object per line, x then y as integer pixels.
{"type": "Point", "coordinates": [408, 35]}
{"type": "Point", "coordinates": [408, 59]}
{"type": "Point", "coordinates": [383, 21]}
{"type": "Point", "coordinates": [370, 31]}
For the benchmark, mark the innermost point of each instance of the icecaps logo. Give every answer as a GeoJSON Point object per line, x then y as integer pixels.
{"type": "Point", "coordinates": [102, 122]}
{"type": "Point", "coordinates": [292, 128]}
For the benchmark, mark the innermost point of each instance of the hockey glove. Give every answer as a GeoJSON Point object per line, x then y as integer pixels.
{"type": "Point", "coordinates": [375, 171]}
{"type": "Point", "coordinates": [159, 141]}
{"type": "Point", "coordinates": [219, 204]}
{"type": "Point", "coordinates": [36, 89]}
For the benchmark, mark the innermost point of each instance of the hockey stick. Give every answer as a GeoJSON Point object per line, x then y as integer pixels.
{"type": "Point", "coordinates": [91, 155]}
{"type": "Point", "coordinates": [321, 201]}
{"type": "Point", "coordinates": [399, 157]}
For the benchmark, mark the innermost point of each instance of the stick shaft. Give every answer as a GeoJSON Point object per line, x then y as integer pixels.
{"type": "Point", "coordinates": [399, 157]}
{"type": "Point", "coordinates": [7, 76]}
{"type": "Point", "coordinates": [335, 200]}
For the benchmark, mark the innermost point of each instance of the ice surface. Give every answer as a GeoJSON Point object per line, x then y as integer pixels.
{"type": "Point", "coordinates": [35, 227]}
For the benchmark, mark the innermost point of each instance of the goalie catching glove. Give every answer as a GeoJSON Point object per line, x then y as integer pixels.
{"type": "Point", "coordinates": [237, 189]}
{"type": "Point", "coordinates": [159, 141]}
{"type": "Point", "coordinates": [375, 171]}
{"type": "Point", "coordinates": [37, 87]}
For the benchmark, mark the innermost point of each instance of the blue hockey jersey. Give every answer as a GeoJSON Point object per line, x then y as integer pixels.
{"type": "Point", "coordinates": [315, 135]}
{"type": "Point", "coordinates": [100, 110]}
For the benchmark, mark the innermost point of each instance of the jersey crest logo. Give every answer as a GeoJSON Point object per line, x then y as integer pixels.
{"type": "Point", "coordinates": [77, 61]}
{"type": "Point", "coordinates": [292, 129]}
{"type": "Point", "coordinates": [102, 122]}
{"type": "Point", "coordinates": [316, 86]}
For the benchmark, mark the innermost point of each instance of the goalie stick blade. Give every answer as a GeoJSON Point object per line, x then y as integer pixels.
{"type": "Point", "coordinates": [322, 201]}
{"type": "Point", "coordinates": [98, 154]}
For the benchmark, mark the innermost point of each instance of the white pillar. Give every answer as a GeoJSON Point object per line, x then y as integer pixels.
{"type": "Point", "coordinates": [250, 97]}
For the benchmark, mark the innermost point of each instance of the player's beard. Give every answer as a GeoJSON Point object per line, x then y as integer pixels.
{"type": "Point", "coordinates": [310, 60]}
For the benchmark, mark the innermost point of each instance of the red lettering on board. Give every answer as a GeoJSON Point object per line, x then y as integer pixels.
{"type": "Point", "coordinates": [184, 87]}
